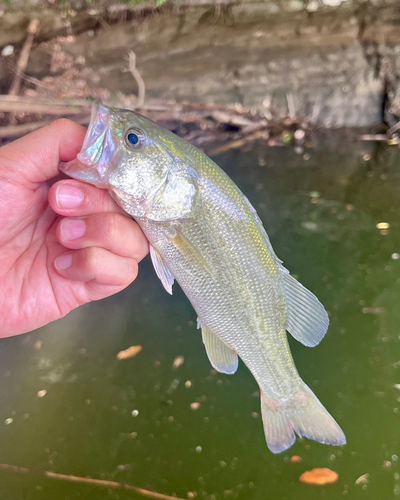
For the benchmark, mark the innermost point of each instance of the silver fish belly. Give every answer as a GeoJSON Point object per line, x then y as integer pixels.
{"type": "Point", "coordinates": [205, 234]}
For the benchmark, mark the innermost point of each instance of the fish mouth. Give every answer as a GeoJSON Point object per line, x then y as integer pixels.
{"type": "Point", "coordinates": [92, 162]}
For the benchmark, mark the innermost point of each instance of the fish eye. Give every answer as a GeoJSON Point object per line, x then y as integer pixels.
{"type": "Point", "coordinates": [134, 138]}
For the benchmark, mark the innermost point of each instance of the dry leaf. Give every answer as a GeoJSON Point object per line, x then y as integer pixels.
{"type": "Point", "coordinates": [319, 476]}
{"type": "Point", "coordinates": [130, 352]}
{"type": "Point", "coordinates": [295, 459]}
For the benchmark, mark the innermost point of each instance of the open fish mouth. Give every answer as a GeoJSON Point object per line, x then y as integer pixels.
{"type": "Point", "coordinates": [92, 162]}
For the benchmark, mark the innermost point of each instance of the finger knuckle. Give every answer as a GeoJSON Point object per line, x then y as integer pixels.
{"type": "Point", "coordinates": [112, 225]}
{"type": "Point", "coordinates": [91, 258]}
{"type": "Point", "coordinates": [59, 124]}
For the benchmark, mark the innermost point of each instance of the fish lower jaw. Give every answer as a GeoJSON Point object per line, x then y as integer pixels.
{"type": "Point", "coordinates": [80, 171]}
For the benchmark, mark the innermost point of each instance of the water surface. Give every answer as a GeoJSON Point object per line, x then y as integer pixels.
{"type": "Point", "coordinates": [131, 421]}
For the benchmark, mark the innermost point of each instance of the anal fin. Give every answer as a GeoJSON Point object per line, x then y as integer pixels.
{"type": "Point", "coordinates": [162, 270]}
{"type": "Point", "coordinates": [221, 357]}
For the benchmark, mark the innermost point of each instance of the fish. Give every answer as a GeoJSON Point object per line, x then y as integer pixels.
{"type": "Point", "coordinates": [205, 234]}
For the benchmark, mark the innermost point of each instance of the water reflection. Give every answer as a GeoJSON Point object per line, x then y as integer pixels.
{"type": "Point", "coordinates": [189, 430]}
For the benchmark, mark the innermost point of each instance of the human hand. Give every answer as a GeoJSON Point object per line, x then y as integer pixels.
{"type": "Point", "coordinates": [61, 245]}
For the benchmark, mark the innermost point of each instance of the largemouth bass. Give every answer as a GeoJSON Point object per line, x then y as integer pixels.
{"type": "Point", "coordinates": [205, 234]}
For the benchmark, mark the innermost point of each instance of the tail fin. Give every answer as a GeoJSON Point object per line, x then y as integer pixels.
{"type": "Point", "coordinates": [303, 414]}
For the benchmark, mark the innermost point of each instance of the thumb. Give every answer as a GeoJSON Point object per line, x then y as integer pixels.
{"type": "Point", "coordinates": [35, 157]}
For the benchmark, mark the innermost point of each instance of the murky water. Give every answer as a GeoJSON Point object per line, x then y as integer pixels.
{"type": "Point", "coordinates": [131, 421]}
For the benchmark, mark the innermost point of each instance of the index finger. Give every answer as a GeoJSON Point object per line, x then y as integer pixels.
{"type": "Point", "coordinates": [73, 198]}
{"type": "Point", "coordinates": [35, 157]}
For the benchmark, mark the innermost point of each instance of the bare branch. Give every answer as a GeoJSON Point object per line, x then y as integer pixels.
{"type": "Point", "coordinates": [291, 106]}
{"type": "Point", "coordinates": [87, 480]}
{"type": "Point", "coordinates": [20, 130]}
{"type": "Point", "coordinates": [23, 57]}
{"type": "Point", "coordinates": [138, 78]}
{"type": "Point", "coordinates": [393, 129]}
{"type": "Point", "coordinates": [43, 106]}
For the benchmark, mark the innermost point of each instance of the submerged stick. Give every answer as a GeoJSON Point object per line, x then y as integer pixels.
{"type": "Point", "coordinates": [87, 480]}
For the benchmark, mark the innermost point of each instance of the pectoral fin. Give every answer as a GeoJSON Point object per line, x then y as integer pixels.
{"type": "Point", "coordinates": [162, 270]}
{"type": "Point", "coordinates": [188, 250]}
{"type": "Point", "coordinates": [307, 320]}
{"type": "Point", "coordinates": [222, 358]}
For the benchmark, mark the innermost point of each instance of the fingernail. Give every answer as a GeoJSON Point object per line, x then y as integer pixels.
{"type": "Point", "coordinates": [68, 196]}
{"type": "Point", "coordinates": [63, 262]}
{"type": "Point", "coordinates": [72, 229]}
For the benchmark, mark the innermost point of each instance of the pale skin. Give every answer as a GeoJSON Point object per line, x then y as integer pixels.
{"type": "Point", "coordinates": [62, 243]}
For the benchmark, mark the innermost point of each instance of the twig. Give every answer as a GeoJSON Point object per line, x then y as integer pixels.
{"type": "Point", "coordinates": [193, 111]}
{"type": "Point", "coordinates": [184, 3]}
{"type": "Point", "coordinates": [23, 57]}
{"type": "Point", "coordinates": [374, 137]}
{"type": "Point", "coordinates": [42, 106]}
{"type": "Point", "coordinates": [87, 480]}
{"type": "Point", "coordinates": [231, 119]}
{"type": "Point", "coordinates": [393, 129]}
{"type": "Point", "coordinates": [35, 81]}
{"type": "Point", "coordinates": [20, 130]}
{"type": "Point", "coordinates": [315, 112]}
{"type": "Point", "coordinates": [291, 106]}
{"type": "Point", "coordinates": [138, 78]}
{"type": "Point", "coordinates": [238, 143]}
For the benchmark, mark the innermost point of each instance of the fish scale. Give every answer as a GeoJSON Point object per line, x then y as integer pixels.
{"type": "Point", "coordinates": [205, 234]}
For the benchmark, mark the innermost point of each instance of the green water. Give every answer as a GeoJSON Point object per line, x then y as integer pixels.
{"type": "Point", "coordinates": [321, 215]}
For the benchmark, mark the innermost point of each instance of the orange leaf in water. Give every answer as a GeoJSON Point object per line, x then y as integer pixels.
{"type": "Point", "coordinates": [319, 476]}
{"type": "Point", "coordinates": [130, 352]}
